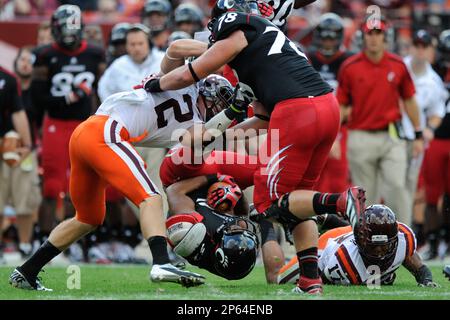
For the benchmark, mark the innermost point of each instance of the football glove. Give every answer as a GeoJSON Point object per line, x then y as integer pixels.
{"type": "Point", "coordinates": [265, 9]}
{"type": "Point", "coordinates": [232, 194]}
{"type": "Point", "coordinates": [150, 84]}
{"type": "Point", "coordinates": [424, 278]}
{"type": "Point", "coordinates": [82, 90]}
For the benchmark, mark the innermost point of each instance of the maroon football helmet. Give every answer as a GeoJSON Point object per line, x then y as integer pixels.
{"type": "Point", "coordinates": [376, 235]}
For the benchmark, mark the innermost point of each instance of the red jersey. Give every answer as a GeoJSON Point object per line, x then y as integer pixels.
{"type": "Point", "coordinates": [373, 90]}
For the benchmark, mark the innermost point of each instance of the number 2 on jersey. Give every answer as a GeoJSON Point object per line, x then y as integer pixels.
{"type": "Point", "coordinates": [179, 115]}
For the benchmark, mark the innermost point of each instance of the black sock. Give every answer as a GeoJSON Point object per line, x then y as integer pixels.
{"type": "Point", "coordinates": [325, 202]}
{"type": "Point", "coordinates": [307, 260]}
{"type": "Point", "coordinates": [39, 259]}
{"type": "Point", "coordinates": [158, 247]}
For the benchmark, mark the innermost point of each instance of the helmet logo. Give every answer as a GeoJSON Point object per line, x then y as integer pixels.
{"type": "Point", "coordinates": [379, 238]}
{"type": "Point", "coordinates": [223, 259]}
{"type": "Point", "coordinates": [74, 20]}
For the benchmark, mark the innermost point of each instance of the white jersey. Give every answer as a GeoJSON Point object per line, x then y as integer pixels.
{"type": "Point", "coordinates": [341, 263]}
{"type": "Point", "coordinates": [430, 96]}
{"type": "Point", "coordinates": [123, 74]}
{"type": "Point", "coordinates": [158, 119]}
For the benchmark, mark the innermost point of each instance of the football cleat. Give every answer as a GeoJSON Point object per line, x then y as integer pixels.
{"type": "Point", "coordinates": [351, 204]}
{"type": "Point", "coordinates": [309, 286]}
{"type": "Point", "coordinates": [18, 280]}
{"type": "Point", "coordinates": [446, 271]}
{"type": "Point", "coordinates": [169, 273]}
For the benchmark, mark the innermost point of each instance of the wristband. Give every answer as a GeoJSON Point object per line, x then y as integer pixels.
{"type": "Point", "coordinates": [193, 74]}
{"type": "Point", "coordinates": [419, 135]}
{"type": "Point", "coordinates": [153, 86]}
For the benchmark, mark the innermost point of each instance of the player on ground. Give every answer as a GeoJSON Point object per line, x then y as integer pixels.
{"type": "Point", "coordinates": [209, 226]}
{"type": "Point", "coordinates": [102, 153]}
{"type": "Point", "coordinates": [304, 121]}
{"type": "Point", "coordinates": [378, 244]}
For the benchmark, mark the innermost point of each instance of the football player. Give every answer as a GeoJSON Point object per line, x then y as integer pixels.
{"type": "Point", "coordinates": [188, 17]}
{"type": "Point", "coordinates": [327, 57]}
{"type": "Point", "coordinates": [304, 116]}
{"type": "Point", "coordinates": [102, 152]}
{"type": "Point", "coordinates": [209, 225]}
{"type": "Point", "coordinates": [63, 78]}
{"type": "Point", "coordinates": [377, 247]}
{"type": "Point", "coordinates": [242, 168]}
{"type": "Point", "coordinates": [156, 15]}
{"type": "Point", "coordinates": [117, 39]}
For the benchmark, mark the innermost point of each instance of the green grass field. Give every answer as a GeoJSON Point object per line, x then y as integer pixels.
{"type": "Point", "coordinates": [131, 282]}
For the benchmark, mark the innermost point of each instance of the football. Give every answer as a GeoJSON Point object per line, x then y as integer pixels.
{"type": "Point", "coordinates": [177, 231]}
{"type": "Point", "coordinates": [10, 144]}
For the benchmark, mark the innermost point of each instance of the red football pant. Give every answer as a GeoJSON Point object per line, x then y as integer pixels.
{"type": "Point", "coordinates": [240, 167]}
{"type": "Point", "coordinates": [306, 129]}
{"type": "Point", "coordinates": [55, 155]}
{"type": "Point", "coordinates": [335, 175]}
{"type": "Point", "coordinates": [436, 170]}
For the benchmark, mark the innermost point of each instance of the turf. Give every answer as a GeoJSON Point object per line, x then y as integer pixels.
{"type": "Point", "coordinates": [131, 282]}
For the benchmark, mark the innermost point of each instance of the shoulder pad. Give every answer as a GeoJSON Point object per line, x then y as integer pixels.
{"type": "Point", "coordinates": [230, 22]}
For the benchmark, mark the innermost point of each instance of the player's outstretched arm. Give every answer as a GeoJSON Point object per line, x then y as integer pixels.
{"type": "Point", "coordinates": [177, 197]}
{"type": "Point", "coordinates": [214, 58]}
{"type": "Point", "coordinates": [420, 271]}
{"type": "Point", "coordinates": [178, 51]}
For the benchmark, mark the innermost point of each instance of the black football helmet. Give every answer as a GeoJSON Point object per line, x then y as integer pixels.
{"type": "Point", "coordinates": [236, 254]}
{"type": "Point", "coordinates": [223, 6]}
{"type": "Point", "coordinates": [67, 26]}
{"type": "Point", "coordinates": [178, 35]}
{"type": "Point", "coordinates": [330, 27]}
{"type": "Point", "coordinates": [376, 235]}
{"type": "Point", "coordinates": [217, 92]}
{"type": "Point", "coordinates": [118, 33]}
{"type": "Point", "coordinates": [444, 45]}
{"type": "Point", "coordinates": [189, 13]}
{"type": "Point", "coordinates": [163, 7]}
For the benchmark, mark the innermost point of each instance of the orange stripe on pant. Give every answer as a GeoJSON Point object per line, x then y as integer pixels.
{"type": "Point", "coordinates": [100, 155]}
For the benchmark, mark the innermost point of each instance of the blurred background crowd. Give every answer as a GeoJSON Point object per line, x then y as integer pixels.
{"type": "Point", "coordinates": [120, 29]}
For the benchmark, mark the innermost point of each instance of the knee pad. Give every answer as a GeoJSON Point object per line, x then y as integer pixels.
{"type": "Point", "coordinates": [280, 212]}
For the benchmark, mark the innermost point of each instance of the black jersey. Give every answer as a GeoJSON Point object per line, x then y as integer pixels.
{"type": "Point", "coordinates": [271, 67]}
{"type": "Point", "coordinates": [10, 101]}
{"type": "Point", "coordinates": [66, 69]}
{"type": "Point", "coordinates": [328, 67]}
{"type": "Point", "coordinates": [204, 256]}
